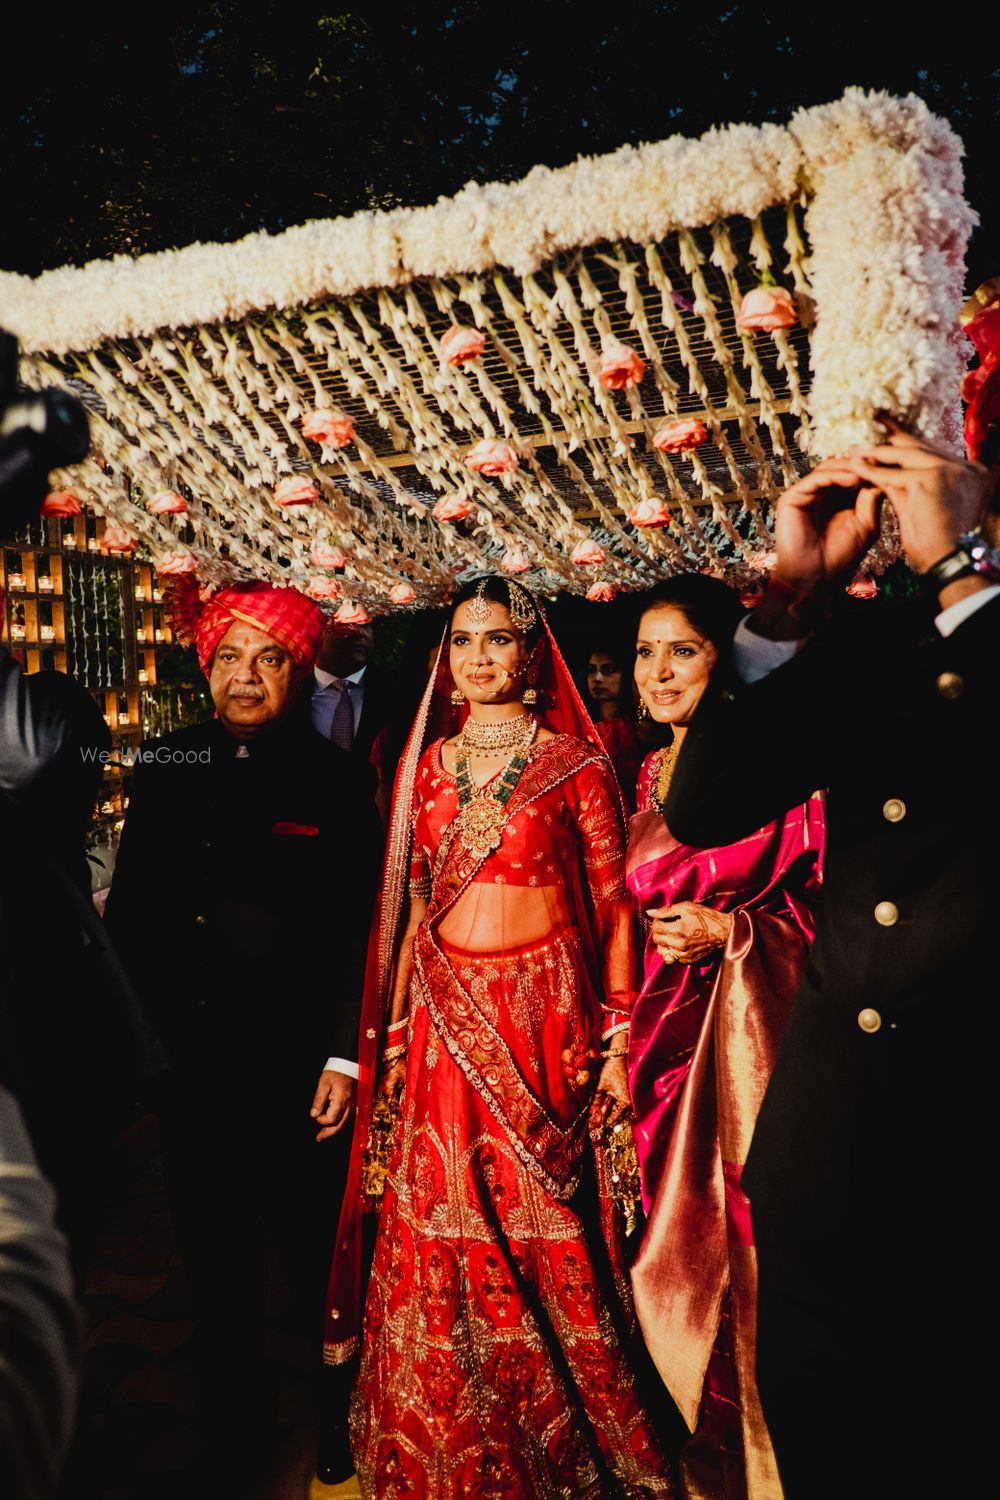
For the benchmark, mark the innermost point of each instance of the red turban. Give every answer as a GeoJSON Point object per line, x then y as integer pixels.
{"type": "Point", "coordinates": [287, 616]}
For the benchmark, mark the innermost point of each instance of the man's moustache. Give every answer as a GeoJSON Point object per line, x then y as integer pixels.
{"type": "Point", "coordinates": [255, 697]}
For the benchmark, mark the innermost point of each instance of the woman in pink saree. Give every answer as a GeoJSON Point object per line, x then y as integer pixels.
{"type": "Point", "coordinates": [727, 936]}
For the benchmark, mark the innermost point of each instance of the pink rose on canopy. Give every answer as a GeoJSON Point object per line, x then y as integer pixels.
{"type": "Point", "coordinates": [515, 560]}
{"type": "Point", "coordinates": [762, 562]}
{"type": "Point", "coordinates": [402, 593]}
{"type": "Point", "coordinates": [61, 503]}
{"type": "Point", "coordinates": [117, 539]}
{"type": "Point", "coordinates": [452, 508]}
{"type": "Point", "coordinates": [587, 552]}
{"type": "Point", "coordinates": [166, 503]}
{"type": "Point", "coordinates": [620, 367]}
{"type": "Point", "coordinates": [326, 555]}
{"type": "Point", "coordinates": [650, 513]}
{"type": "Point", "coordinates": [352, 612]}
{"type": "Point", "coordinates": [680, 434]}
{"type": "Point", "coordinates": [323, 588]}
{"type": "Point", "coordinates": [176, 563]}
{"type": "Point", "coordinates": [296, 490]}
{"type": "Point", "coordinates": [767, 308]}
{"type": "Point", "coordinates": [460, 344]}
{"type": "Point", "coordinates": [863, 588]}
{"type": "Point", "coordinates": [601, 593]}
{"type": "Point", "coordinates": [332, 428]}
{"type": "Point", "coordinates": [492, 456]}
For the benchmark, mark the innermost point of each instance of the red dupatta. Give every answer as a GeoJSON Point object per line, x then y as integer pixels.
{"type": "Point", "coordinates": [561, 710]}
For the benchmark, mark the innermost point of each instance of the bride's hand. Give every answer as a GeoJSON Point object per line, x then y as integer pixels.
{"type": "Point", "coordinates": [611, 1097]}
{"type": "Point", "coordinates": [577, 1066]}
{"type": "Point", "coordinates": [394, 1079]}
{"type": "Point", "coordinates": [689, 933]}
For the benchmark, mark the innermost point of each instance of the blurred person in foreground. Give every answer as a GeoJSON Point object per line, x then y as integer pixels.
{"type": "Point", "coordinates": [241, 901]}
{"type": "Point", "coordinates": [871, 1149]}
{"type": "Point", "coordinates": [39, 1328]}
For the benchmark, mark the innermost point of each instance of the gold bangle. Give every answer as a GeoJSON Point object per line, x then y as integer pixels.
{"type": "Point", "coordinates": [622, 1053]}
{"type": "Point", "coordinates": [392, 1054]}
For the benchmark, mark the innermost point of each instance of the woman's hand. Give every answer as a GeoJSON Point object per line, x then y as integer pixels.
{"type": "Point", "coordinates": [394, 1079]}
{"type": "Point", "coordinates": [611, 1097]}
{"type": "Point", "coordinates": [688, 933]}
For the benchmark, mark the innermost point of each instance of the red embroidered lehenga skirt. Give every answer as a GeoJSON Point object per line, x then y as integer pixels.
{"type": "Point", "coordinates": [495, 1359]}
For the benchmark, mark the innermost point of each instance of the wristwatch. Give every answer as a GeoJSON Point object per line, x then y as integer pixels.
{"type": "Point", "coordinates": [972, 556]}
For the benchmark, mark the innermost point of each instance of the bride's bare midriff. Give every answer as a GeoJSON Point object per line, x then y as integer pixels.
{"type": "Point", "coordinates": [497, 918]}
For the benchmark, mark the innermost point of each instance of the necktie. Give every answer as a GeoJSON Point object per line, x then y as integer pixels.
{"type": "Point", "coordinates": [342, 724]}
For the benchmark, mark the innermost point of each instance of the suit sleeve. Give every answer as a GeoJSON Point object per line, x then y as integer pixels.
{"type": "Point", "coordinates": [361, 841]}
{"type": "Point", "coordinates": [139, 870]}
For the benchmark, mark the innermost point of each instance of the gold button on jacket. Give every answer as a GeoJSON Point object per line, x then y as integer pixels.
{"type": "Point", "coordinates": [869, 1020]}
{"type": "Point", "coordinates": [894, 811]}
{"type": "Point", "coordinates": [887, 914]}
{"type": "Point", "coordinates": [949, 685]}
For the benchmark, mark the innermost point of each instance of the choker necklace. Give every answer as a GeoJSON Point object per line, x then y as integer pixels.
{"type": "Point", "coordinates": [491, 737]}
{"type": "Point", "coordinates": [482, 809]}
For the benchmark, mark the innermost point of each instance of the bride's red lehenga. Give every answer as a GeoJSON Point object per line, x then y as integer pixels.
{"type": "Point", "coordinates": [498, 1330]}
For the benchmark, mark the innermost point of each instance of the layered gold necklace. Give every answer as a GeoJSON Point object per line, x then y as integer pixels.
{"type": "Point", "coordinates": [482, 810]}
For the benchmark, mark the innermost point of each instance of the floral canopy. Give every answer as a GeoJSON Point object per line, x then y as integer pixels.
{"type": "Point", "coordinates": [593, 377]}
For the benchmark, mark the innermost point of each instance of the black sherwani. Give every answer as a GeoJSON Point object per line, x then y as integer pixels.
{"type": "Point", "coordinates": [241, 903]}
{"type": "Point", "coordinates": [869, 1160]}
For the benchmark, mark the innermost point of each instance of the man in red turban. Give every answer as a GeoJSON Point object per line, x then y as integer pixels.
{"type": "Point", "coordinates": [241, 904]}
{"type": "Point", "coordinates": [288, 617]}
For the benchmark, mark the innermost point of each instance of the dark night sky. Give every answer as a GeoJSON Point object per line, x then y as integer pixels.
{"type": "Point", "coordinates": [209, 121]}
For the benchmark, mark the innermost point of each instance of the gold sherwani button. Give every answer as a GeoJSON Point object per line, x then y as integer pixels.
{"type": "Point", "coordinates": [894, 811]}
{"type": "Point", "coordinates": [869, 1020]}
{"type": "Point", "coordinates": [887, 914]}
{"type": "Point", "coordinates": [949, 685]}
{"type": "Point", "coordinates": [199, 920]}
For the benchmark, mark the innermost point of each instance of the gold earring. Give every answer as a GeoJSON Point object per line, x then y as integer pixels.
{"type": "Point", "coordinates": [457, 697]}
{"type": "Point", "coordinates": [643, 711]}
{"type": "Point", "coordinates": [530, 695]}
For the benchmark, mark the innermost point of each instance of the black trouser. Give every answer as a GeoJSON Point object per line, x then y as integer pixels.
{"type": "Point", "coordinates": [246, 1179]}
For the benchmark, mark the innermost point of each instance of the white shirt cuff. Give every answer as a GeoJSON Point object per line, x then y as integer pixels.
{"type": "Point", "coordinates": [341, 1065]}
{"type": "Point", "coordinates": [754, 656]}
{"type": "Point", "coordinates": [951, 618]}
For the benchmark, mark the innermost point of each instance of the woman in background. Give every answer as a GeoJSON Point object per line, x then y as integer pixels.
{"type": "Point", "coordinates": [608, 695]}
{"type": "Point", "coordinates": [728, 931]}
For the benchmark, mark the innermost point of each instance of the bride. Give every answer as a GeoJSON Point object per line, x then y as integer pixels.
{"type": "Point", "coordinates": [497, 1351]}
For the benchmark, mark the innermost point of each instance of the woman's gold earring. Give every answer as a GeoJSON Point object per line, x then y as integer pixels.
{"type": "Point", "coordinates": [457, 697]}
{"type": "Point", "coordinates": [642, 712]}
{"type": "Point", "coordinates": [530, 695]}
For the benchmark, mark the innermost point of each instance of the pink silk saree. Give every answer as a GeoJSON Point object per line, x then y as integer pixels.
{"type": "Point", "coordinates": [702, 1045]}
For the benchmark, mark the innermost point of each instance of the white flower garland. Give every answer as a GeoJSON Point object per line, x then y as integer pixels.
{"type": "Point", "coordinates": [887, 226]}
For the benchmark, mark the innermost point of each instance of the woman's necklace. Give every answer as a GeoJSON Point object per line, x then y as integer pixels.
{"type": "Point", "coordinates": [481, 810]}
{"type": "Point", "coordinates": [491, 737]}
{"type": "Point", "coordinates": [665, 774]}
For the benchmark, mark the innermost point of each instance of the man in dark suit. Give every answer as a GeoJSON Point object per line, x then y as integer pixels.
{"type": "Point", "coordinates": [869, 1158]}
{"type": "Point", "coordinates": [241, 903]}
{"type": "Point", "coordinates": [353, 704]}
